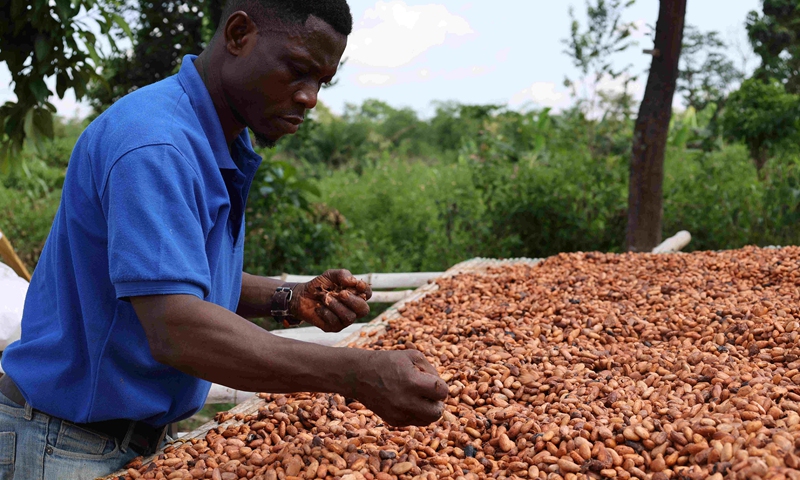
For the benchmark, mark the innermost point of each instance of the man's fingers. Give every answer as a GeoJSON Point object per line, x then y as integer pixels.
{"type": "Point", "coordinates": [330, 319]}
{"type": "Point", "coordinates": [354, 303]}
{"type": "Point", "coordinates": [345, 279]}
{"type": "Point", "coordinates": [433, 411]}
{"type": "Point", "coordinates": [342, 278]}
{"type": "Point", "coordinates": [367, 291]}
{"type": "Point", "coordinates": [430, 386]}
{"type": "Point", "coordinates": [425, 413]}
{"type": "Point", "coordinates": [345, 315]}
{"type": "Point", "coordinates": [423, 364]}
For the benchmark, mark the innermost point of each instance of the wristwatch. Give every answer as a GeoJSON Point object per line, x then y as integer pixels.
{"type": "Point", "coordinates": [279, 306]}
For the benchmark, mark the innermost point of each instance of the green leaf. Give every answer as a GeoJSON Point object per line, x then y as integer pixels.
{"type": "Point", "coordinates": [39, 90]}
{"type": "Point", "coordinates": [17, 8]}
{"type": "Point", "coordinates": [104, 26]}
{"type": "Point", "coordinates": [5, 159]}
{"type": "Point", "coordinates": [43, 122]}
{"type": "Point", "coordinates": [308, 187]}
{"type": "Point", "coordinates": [123, 25]}
{"type": "Point", "coordinates": [32, 134]}
{"type": "Point", "coordinates": [81, 77]}
{"type": "Point", "coordinates": [93, 51]}
{"type": "Point", "coordinates": [42, 47]}
{"type": "Point", "coordinates": [63, 8]}
{"type": "Point", "coordinates": [62, 83]}
{"type": "Point", "coordinates": [28, 128]}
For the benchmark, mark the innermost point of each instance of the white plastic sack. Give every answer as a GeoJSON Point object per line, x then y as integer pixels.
{"type": "Point", "coordinates": [12, 298]}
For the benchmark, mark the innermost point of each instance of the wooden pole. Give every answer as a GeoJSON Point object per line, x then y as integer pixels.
{"type": "Point", "coordinates": [11, 259]}
{"type": "Point", "coordinates": [645, 194]}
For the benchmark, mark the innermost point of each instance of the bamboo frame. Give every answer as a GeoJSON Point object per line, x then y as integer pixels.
{"type": "Point", "coordinates": [10, 258]}
{"type": "Point", "coordinates": [674, 243]}
{"type": "Point", "coordinates": [385, 281]}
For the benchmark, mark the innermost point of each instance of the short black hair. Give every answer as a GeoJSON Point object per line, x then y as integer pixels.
{"type": "Point", "coordinates": [336, 13]}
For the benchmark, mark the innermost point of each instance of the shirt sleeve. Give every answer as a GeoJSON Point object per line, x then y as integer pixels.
{"type": "Point", "coordinates": [156, 242]}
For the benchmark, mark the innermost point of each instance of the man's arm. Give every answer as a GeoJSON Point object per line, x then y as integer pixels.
{"type": "Point", "coordinates": [254, 301]}
{"type": "Point", "coordinates": [207, 341]}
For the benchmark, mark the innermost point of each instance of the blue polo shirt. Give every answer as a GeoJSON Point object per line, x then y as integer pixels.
{"type": "Point", "coordinates": [153, 204]}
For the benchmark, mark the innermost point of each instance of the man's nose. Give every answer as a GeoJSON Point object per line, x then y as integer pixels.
{"type": "Point", "coordinates": [307, 96]}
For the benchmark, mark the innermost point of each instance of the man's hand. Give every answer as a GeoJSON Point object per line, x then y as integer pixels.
{"type": "Point", "coordinates": [401, 387]}
{"type": "Point", "coordinates": [332, 301]}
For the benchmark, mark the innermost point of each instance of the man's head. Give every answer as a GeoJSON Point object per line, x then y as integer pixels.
{"type": "Point", "coordinates": [277, 55]}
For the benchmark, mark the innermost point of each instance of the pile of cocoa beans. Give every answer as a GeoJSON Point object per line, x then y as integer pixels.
{"type": "Point", "coordinates": [584, 366]}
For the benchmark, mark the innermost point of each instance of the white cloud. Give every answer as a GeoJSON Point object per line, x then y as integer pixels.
{"type": "Point", "coordinates": [393, 34]}
{"type": "Point", "coordinates": [466, 72]}
{"type": "Point", "coordinates": [374, 79]}
{"type": "Point", "coordinates": [543, 94]}
{"type": "Point", "coordinates": [641, 30]}
{"type": "Point", "coordinates": [502, 55]}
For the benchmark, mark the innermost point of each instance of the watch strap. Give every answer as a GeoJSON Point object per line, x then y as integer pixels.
{"type": "Point", "coordinates": [279, 305]}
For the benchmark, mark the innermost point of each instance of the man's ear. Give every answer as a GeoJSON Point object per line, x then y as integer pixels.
{"type": "Point", "coordinates": [239, 31]}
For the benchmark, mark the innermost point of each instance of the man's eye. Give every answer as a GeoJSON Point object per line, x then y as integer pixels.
{"type": "Point", "coordinates": [299, 71]}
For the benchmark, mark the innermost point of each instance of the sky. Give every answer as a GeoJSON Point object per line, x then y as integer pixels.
{"type": "Point", "coordinates": [412, 53]}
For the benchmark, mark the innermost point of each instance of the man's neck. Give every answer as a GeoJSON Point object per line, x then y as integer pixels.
{"type": "Point", "coordinates": [205, 65]}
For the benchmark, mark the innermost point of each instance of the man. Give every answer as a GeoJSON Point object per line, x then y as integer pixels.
{"type": "Point", "coordinates": [139, 297]}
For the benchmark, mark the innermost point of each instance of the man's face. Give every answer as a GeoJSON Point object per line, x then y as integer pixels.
{"type": "Point", "coordinates": [277, 77]}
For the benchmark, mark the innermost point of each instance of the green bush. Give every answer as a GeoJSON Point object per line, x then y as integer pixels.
{"type": "Point", "coordinates": [715, 196]}
{"type": "Point", "coordinates": [285, 231]}
{"type": "Point", "coordinates": [763, 116]}
{"type": "Point", "coordinates": [30, 194]}
{"type": "Point", "coordinates": [26, 222]}
{"type": "Point", "coordinates": [406, 215]}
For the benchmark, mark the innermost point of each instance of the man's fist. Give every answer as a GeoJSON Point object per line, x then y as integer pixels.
{"type": "Point", "coordinates": [403, 388]}
{"type": "Point", "coordinates": [332, 301]}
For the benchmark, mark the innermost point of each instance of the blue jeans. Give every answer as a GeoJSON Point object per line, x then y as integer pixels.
{"type": "Point", "coordinates": [36, 446]}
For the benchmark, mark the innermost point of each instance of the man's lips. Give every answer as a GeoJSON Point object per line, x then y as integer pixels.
{"type": "Point", "coordinates": [294, 120]}
{"type": "Point", "coordinates": [291, 123]}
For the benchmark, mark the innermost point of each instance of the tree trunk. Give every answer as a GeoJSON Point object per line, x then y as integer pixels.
{"type": "Point", "coordinates": [652, 127]}
{"type": "Point", "coordinates": [760, 156]}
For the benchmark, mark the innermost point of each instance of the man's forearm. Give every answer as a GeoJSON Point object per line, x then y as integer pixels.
{"type": "Point", "coordinates": [254, 301]}
{"type": "Point", "coordinates": [210, 342]}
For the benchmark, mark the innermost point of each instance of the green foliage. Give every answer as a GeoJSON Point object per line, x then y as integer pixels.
{"type": "Point", "coordinates": [325, 140]}
{"type": "Point", "coordinates": [605, 35]}
{"type": "Point", "coordinates": [706, 74]}
{"type": "Point", "coordinates": [716, 196]}
{"type": "Point", "coordinates": [705, 79]}
{"type": "Point", "coordinates": [285, 232]}
{"type": "Point", "coordinates": [47, 39]}
{"type": "Point", "coordinates": [30, 195]}
{"type": "Point", "coordinates": [360, 136]}
{"type": "Point", "coordinates": [164, 32]}
{"type": "Point", "coordinates": [503, 184]}
{"type": "Point", "coordinates": [763, 116]}
{"type": "Point", "coordinates": [406, 216]}
{"type": "Point", "coordinates": [775, 37]}
{"type": "Point", "coordinates": [592, 51]}
{"type": "Point", "coordinates": [720, 199]}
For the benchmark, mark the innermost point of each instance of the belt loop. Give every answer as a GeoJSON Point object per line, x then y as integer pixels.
{"type": "Point", "coordinates": [28, 412]}
{"type": "Point", "coordinates": [127, 439]}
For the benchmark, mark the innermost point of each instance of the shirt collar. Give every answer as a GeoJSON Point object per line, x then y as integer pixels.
{"type": "Point", "coordinates": [203, 106]}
